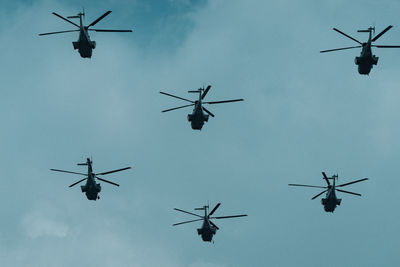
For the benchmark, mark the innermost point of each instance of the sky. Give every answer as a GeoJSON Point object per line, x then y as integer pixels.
{"type": "Point", "coordinates": [304, 113]}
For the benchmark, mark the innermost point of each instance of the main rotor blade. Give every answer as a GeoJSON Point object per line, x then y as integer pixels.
{"type": "Point", "coordinates": [348, 36]}
{"type": "Point", "coordinates": [224, 101]}
{"type": "Point", "coordinates": [78, 182]}
{"type": "Point", "coordinates": [381, 33]}
{"type": "Point", "coordinates": [348, 192]}
{"type": "Point", "coordinates": [227, 217]}
{"type": "Point", "coordinates": [209, 112]}
{"type": "Point", "coordinates": [213, 224]}
{"type": "Point", "coordinates": [214, 209]}
{"type": "Point", "coordinates": [304, 185]}
{"type": "Point", "coordinates": [99, 30]}
{"type": "Point", "coordinates": [119, 170]}
{"type": "Point", "coordinates": [319, 194]}
{"type": "Point", "coordinates": [100, 18]}
{"type": "Point", "coordinates": [206, 91]}
{"type": "Point", "coordinates": [326, 178]}
{"type": "Point", "coordinates": [177, 108]}
{"type": "Point", "coordinates": [181, 98]}
{"type": "Point", "coordinates": [56, 170]}
{"type": "Point", "coordinates": [337, 49]}
{"type": "Point", "coordinates": [187, 222]}
{"type": "Point", "coordinates": [67, 20]}
{"type": "Point", "coordinates": [48, 33]}
{"type": "Point", "coordinates": [189, 213]}
{"type": "Point", "coordinates": [104, 180]}
{"type": "Point", "coordinates": [387, 46]}
{"type": "Point", "coordinates": [357, 181]}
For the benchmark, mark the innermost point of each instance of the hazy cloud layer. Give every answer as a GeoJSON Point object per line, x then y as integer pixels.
{"type": "Point", "coordinates": [304, 113]}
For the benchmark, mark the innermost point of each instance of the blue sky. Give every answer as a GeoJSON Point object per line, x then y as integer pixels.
{"type": "Point", "coordinates": [304, 112]}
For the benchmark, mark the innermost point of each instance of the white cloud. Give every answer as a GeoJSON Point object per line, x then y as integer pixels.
{"type": "Point", "coordinates": [36, 225]}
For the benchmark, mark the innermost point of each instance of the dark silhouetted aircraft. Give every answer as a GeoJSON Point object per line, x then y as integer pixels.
{"type": "Point", "coordinates": [331, 201]}
{"type": "Point", "coordinates": [366, 60]}
{"type": "Point", "coordinates": [208, 229]}
{"type": "Point", "coordinates": [84, 45]}
{"type": "Point", "coordinates": [91, 188]}
{"type": "Point", "coordinates": [197, 118]}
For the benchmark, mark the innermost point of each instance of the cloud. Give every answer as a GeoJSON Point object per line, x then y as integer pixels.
{"type": "Point", "coordinates": [36, 225]}
{"type": "Point", "coordinates": [303, 113]}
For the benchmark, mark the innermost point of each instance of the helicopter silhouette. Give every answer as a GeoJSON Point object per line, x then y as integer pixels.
{"type": "Point", "coordinates": [84, 45]}
{"type": "Point", "coordinates": [208, 229]}
{"type": "Point", "coordinates": [366, 60]}
{"type": "Point", "coordinates": [197, 118]}
{"type": "Point", "coordinates": [91, 188]}
{"type": "Point", "coordinates": [331, 201]}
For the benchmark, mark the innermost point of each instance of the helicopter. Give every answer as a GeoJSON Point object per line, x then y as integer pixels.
{"type": "Point", "coordinates": [197, 118]}
{"type": "Point", "coordinates": [331, 201]}
{"type": "Point", "coordinates": [366, 60]}
{"type": "Point", "coordinates": [84, 45]}
{"type": "Point", "coordinates": [208, 229]}
{"type": "Point", "coordinates": [91, 188]}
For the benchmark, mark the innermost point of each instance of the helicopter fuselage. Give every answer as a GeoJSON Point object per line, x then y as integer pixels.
{"type": "Point", "coordinates": [91, 188]}
{"type": "Point", "coordinates": [84, 45]}
{"type": "Point", "coordinates": [207, 231]}
{"type": "Point", "coordinates": [197, 118]}
{"type": "Point", "coordinates": [366, 60]}
{"type": "Point", "coordinates": [331, 201]}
